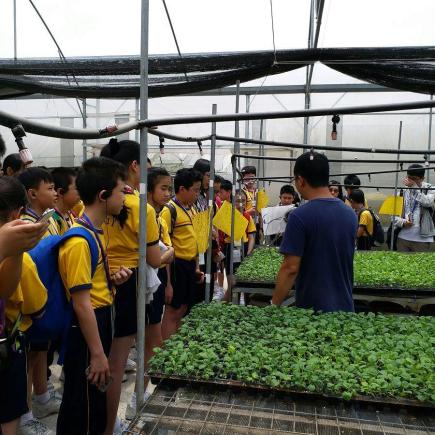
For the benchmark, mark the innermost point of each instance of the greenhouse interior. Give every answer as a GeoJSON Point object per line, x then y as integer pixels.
{"type": "Point", "coordinates": [269, 269]}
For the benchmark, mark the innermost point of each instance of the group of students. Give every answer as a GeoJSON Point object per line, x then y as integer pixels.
{"type": "Point", "coordinates": [102, 199]}
{"type": "Point", "coordinates": [413, 230]}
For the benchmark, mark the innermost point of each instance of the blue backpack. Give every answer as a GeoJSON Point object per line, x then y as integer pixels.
{"type": "Point", "coordinates": [56, 320]}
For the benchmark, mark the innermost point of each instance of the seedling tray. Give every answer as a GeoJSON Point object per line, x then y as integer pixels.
{"type": "Point", "coordinates": [177, 381]}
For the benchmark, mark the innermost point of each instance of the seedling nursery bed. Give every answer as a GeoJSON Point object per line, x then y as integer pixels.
{"type": "Point", "coordinates": [339, 356]}
{"type": "Point", "coordinates": [377, 272]}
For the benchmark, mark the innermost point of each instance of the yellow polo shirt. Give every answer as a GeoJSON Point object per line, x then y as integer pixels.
{"type": "Point", "coordinates": [75, 270]}
{"type": "Point", "coordinates": [183, 236]}
{"type": "Point", "coordinates": [29, 298]}
{"type": "Point", "coordinates": [123, 241]}
{"type": "Point", "coordinates": [366, 220]}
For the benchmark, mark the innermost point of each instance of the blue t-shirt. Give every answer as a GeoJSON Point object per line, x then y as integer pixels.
{"type": "Point", "coordinates": [322, 232]}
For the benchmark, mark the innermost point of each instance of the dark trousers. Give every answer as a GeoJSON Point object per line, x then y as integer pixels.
{"type": "Point", "coordinates": [83, 408]}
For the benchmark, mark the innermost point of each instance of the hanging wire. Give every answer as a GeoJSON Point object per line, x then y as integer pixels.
{"type": "Point", "coordinates": [174, 35]}
{"type": "Point", "coordinates": [273, 33]}
{"type": "Point", "coordinates": [60, 52]}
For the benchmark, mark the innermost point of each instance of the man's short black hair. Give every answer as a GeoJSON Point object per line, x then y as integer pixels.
{"type": "Point", "coordinates": [186, 178]}
{"type": "Point", "coordinates": [351, 181]}
{"type": "Point", "coordinates": [357, 196]}
{"type": "Point", "coordinates": [287, 189]}
{"type": "Point", "coordinates": [227, 185]}
{"type": "Point", "coordinates": [14, 162]}
{"type": "Point", "coordinates": [31, 178]}
{"type": "Point", "coordinates": [416, 170]}
{"type": "Point", "coordinates": [202, 166]}
{"type": "Point", "coordinates": [251, 170]}
{"type": "Point", "coordinates": [314, 168]}
{"type": "Point", "coordinates": [62, 178]}
{"type": "Point", "coordinates": [98, 174]}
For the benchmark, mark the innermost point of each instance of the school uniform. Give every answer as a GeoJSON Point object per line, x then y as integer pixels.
{"type": "Point", "coordinates": [83, 408]}
{"type": "Point", "coordinates": [123, 250]}
{"type": "Point", "coordinates": [183, 276]}
{"type": "Point", "coordinates": [250, 229]}
{"type": "Point", "coordinates": [29, 300]}
{"type": "Point", "coordinates": [63, 222]}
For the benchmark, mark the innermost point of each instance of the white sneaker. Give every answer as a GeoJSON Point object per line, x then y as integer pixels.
{"type": "Point", "coordinates": [130, 412]}
{"type": "Point", "coordinates": [121, 426]}
{"type": "Point", "coordinates": [34, 427]}
{"type": "Point", "coordinates": [242, 299]}
{"type": "Point", "coordinates": [41, 410]}
{"type": "Point", "coordinates": [130, 366]}
{"type": "Point", "coordinates": [218, 293]}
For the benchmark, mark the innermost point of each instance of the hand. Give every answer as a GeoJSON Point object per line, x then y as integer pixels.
{"type": "Point", "coordinates": [199, 276]}
{"type": "Point", "coordinates": [407, 224]}
{"type": "Point", "coordinates": [169, 294]}
{"type": "Point", "coordinates": [99, 371]}
{"type": "Point", "coordinates": [19, 236]}
{"type": "Point", "coordinates": [252, 211]}
{"type": "Point", "coordinates": [409, 183]}
{"type": "Point", "coordinates": [121, 276]}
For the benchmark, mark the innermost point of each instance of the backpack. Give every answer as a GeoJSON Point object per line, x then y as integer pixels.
{"type": "Point", "coordinates": [378, 236]}
{"type": "Point", "coordinates": [57, 317]}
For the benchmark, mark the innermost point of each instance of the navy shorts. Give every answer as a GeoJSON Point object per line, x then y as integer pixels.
{"type": "Point", "coordinates": [154, 310]}
{"type": "Point", "coordinates": [13, 381]}
{"type": "Point", "coordinates": [125, 307]}
{"type": "Point", "coordinates": [83, 407]}
{"type": "Point", "coordinates": [183, 279]}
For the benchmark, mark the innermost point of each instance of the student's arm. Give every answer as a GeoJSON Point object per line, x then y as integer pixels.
{"type": "Point", "coordinates": [361, 231]}
{"type": "Point", "coordinates": [154, 256]}
{"type": "Point", "coordinates": [169, 291]}
{"type": "Point", "coordinates": [168, 256]}
{"type": "Point", "coordinates": [286, 278]}
{"type": "Point", "coordinates": [251, 243]}
{"type": "Point", "coordinates": [10, 274]}
{"type": "Point", "coordinates": [99, 371]}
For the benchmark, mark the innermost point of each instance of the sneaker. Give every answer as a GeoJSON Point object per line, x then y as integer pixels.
{"type": "Point", "coordinates": [218, 293]}
{"type": "Point", "coordinates": [41, 410]}
{"type": "Point", "coordinates": [242, 299]}
{"type": "Point", "coordinates": [121, 426]}
{"type": "Point", "coordinates": [130, 366]}
{"type": "Point", "coordinates": [34, 427]}
{"type": "Point", "coordinates": [130, 412]}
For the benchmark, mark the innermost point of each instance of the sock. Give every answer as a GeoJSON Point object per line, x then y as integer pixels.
{"type": "Point", "coordinates": [42, 398]}
{"type": "Point", "coordinates": [25, 418]}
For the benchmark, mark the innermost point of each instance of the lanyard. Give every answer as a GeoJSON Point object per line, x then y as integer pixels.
{"type": "Point", "coordinates": [68, 221]}
{"type": "Point", "coordinates": [84, 221]}
{"type": "Point", "coordinates": [183, 208]}
{"type": "Point", "coordinates": [31, 213]}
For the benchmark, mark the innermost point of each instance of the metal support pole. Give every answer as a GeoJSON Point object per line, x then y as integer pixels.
{"type": "Point", "coordinates": [208, 274]}
{"type": "Point", "coordinates": [143, 207]}
{"type": "Point", "coordinates": [247, 125]}
{"type": "Point", "coordinates": [399, 144]}
{"type": "Point", "coordinates": [262, 162]}
{"type": "Point", "coordinates": [233, 217]}
{"type": "Point", "coordinates": [429, 139]}
{"type": "Point", "coordinates": [15, 29]}
{"type": "Point", "coordinates": [85, 124]}
{"type": "Point", "coordinates": [136, 132]}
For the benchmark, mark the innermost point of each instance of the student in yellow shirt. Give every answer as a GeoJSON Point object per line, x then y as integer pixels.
{"type": "Point", "coordinates": [25, 298]}
{"type": "Point", "coordinates": [184, 271]}
{"type": "Point", "coordinates": [365, 220]}
{"type": "Point", "coordinates": [67, 197]}
{"type": "Point", "coordinates": [352, 182]}
{"type": "Point", "coordinates": [100, 183]}
{"type": "Point", "coordinates": [41, 196]}
{"type": "Point", "coordinates": [122, 236]}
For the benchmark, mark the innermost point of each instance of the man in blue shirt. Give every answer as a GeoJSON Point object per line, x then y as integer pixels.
{"type": "Point", "coordinates": [318, 244]}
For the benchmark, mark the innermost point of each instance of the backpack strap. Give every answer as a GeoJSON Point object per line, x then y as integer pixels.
{"type": "Point", "coordinates": [93, 247]}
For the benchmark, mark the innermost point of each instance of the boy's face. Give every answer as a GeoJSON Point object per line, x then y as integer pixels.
{"type": "Point", "coordinates": [71, 198]}
{"type": "Point", "coordinates": [44, 196]}
{"type": "Point", "coordinates": [162, 192]}
{"type": "Point", "coordinates": [116, 199]}
{"type": "Point", "coordinates": [224, 194]}
{"type": "Point", "coordinates": [249, 181]}
{"type": "Point", "coordinates": [286, 199]}
{"type": "Point", "coordinates": [206, 181]}
{"type": "Point", "coordinates": [354, 205]}
{"type": "Point", "coordinates": [190, 195]}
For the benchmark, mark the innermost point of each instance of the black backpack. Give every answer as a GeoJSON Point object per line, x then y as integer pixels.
{"type": "Point", "coordinates": [378, 236]}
